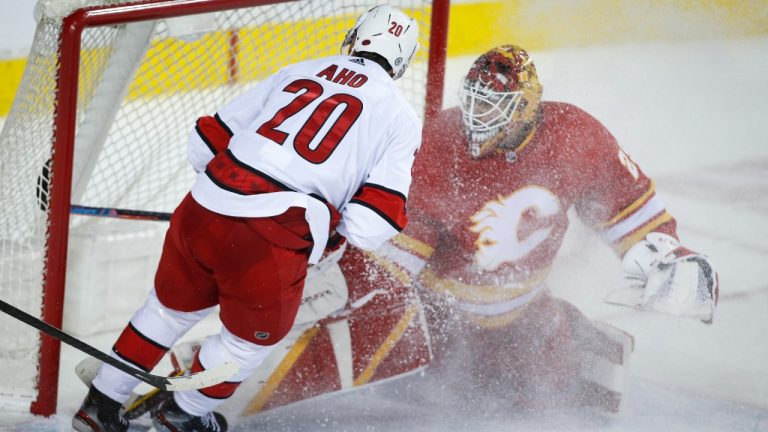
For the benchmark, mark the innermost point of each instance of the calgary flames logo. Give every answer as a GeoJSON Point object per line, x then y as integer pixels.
{"type": "Point", "coordinates": [498, 225]}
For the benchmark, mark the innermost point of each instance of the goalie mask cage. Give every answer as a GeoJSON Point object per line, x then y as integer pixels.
{"type": "Point", "coordinates": [109, 96]}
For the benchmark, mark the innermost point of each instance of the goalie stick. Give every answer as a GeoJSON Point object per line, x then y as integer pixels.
{"type": "Point", "coordinates": [627, 297]}
{"type": "Point", "coordinates": [119, 213]}
{"type": "Point", "coordinates": [633, 298]}
{"type": "Point", "coordinates": [43, 182]}
{"type": "Point", "coordinates": [42, 191]}
{"type": "Point", "coordinates": [194, 381]}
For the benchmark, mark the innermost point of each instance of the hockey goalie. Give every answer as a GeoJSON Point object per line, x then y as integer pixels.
{"type": "Point", "coordinates": [488, 213]}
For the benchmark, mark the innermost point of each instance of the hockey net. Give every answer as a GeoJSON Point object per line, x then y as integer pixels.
{"type": "Point", "coordinates": [108, 98]}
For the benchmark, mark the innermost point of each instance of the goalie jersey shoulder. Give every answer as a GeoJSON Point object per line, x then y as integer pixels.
{"type": "Point", "coordinates": [571, 160]}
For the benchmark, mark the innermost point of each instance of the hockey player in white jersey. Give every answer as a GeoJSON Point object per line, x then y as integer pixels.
{"type": "Point", "coordinates": [317, 153]}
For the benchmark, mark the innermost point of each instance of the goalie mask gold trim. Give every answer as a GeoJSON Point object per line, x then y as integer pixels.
{"type": "Point", "coordinates": [501, 90]}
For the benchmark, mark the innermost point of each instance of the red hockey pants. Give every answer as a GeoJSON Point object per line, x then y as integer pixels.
{"type": "Point", "coordinates": [254, 268]}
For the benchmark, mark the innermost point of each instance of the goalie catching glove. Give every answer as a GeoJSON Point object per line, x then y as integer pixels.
{"type": "Point", "coordinates": [673, 279]}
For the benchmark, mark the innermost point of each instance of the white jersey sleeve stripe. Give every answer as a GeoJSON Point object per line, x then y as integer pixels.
{"type": "Point", "coordinates": [387, 203]}
{"type": "Point", "coordinates": [652, 208]}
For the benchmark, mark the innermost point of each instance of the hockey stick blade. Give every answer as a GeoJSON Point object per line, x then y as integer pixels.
{"type": "Point", "coordinates": [202, 379]}
{"type": "Point", "coordinates": [194, 381]}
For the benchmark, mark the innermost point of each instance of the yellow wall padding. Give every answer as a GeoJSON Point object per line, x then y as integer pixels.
{"type": "Point", "coordinates": [477, 26]}
{"type": "Point", "coordinates": [10, 77]}
{"type": "Point", "coordinates": [548, 24]}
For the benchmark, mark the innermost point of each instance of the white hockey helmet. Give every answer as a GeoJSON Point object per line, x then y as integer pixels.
{"type": "Point", "coordinates": [385, 31]}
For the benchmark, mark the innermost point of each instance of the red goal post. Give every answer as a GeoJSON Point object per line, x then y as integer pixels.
{"type": "Point", "coordinates": [101, 117]}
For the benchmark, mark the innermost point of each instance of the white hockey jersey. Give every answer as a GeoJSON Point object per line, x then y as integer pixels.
{"type": "Point", "coordinates": [336, 129]}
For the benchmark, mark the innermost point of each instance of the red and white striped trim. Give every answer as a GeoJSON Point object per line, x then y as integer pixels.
{"type": "Point", "coordinates": [145, 353]}
{"type": "Point", "coordinates": [214, 133]}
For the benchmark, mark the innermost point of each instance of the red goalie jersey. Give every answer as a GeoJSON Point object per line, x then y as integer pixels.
{"type": "Point", "coordinates": [482, 237]}
{"type": "Point", "coordinates": [489, 229]}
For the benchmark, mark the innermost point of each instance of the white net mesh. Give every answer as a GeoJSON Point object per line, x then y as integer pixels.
{"type": "Point", "coordinates": [141, 87]}
{"type": "Point", "coordinates": [25, 145]}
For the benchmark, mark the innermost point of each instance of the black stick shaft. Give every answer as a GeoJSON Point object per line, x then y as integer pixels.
{"type": "Point", "coordinates": [72, 341]}
{"type": "Point", "coordinates": [119, 213]}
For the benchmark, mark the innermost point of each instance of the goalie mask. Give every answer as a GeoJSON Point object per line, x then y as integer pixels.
{"type": "Point", "coordinates": [501, 93]}
{"type": "Point", "coordinates": [385, 31]}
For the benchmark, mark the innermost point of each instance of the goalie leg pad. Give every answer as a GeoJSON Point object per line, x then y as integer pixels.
{"type": "Point", "coordinates": [552, 357]}
{"type": "Point", "coordinates": [604, 355]}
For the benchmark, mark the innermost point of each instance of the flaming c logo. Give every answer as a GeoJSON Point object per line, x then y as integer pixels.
{"type": "Point", "coordinates": [498, 226]}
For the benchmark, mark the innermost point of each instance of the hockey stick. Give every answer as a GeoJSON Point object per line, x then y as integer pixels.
{"type": "Point", "coordinates": [193, 381]}
{"type": "Point", "coordinates": [626, 297]}
{"type": "Point", "coordinates": [119, 213]}
{"type": "Point", "coordinates": [137, 404]}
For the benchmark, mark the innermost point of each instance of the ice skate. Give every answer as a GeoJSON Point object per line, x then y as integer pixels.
{"type": "Point", "coordinates": [169, 417]}
{"type": "Point", "coordinates": [99, 413]}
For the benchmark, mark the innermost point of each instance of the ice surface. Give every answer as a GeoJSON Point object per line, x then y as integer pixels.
{"type": "Point", "coordinates": [693, 115]}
